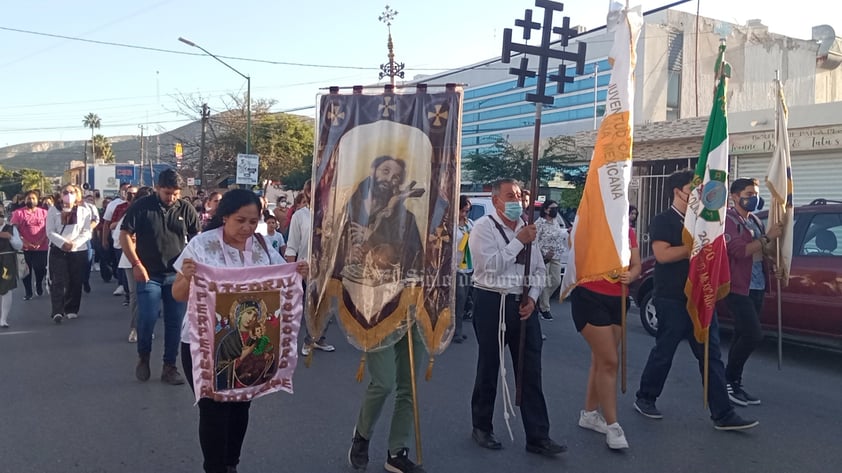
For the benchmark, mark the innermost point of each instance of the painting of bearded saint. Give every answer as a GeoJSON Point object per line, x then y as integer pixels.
{"type": "Point", "coordinates": [380, 250]}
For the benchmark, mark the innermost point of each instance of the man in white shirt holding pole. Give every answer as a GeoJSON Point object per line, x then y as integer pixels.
{"type": "Point", "coordinates": [298, 249]}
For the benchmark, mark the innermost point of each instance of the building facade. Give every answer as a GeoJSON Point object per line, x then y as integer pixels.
{"type": "Point", "coordinates": [674, 81]}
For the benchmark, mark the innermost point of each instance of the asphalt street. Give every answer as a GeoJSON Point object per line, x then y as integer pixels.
{"type": "Point", "coordinates": [69, 402]}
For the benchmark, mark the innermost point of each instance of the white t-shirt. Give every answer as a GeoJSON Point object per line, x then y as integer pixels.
{"type": "Point", "coordinates": [208, 248]}
{"type": "Point", "coordinates": [275, 240]}
{"type": "Point", "coordinates": [300, 226]}
{"type": "Point", "coordinates": [109, 211]}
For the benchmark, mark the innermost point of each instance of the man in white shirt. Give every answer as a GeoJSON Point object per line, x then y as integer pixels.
{"type": "Point", "coordinates": [113, 255]}
{"type": "Point", "coordinates": [498, 245]}
{"type": "Point", "coordinates": [298, 249]}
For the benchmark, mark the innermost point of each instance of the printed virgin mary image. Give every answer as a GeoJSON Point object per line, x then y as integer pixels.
{"type": "Point", "coordinates": [245, 355]}
{"type": "Point", "coordinates": [375, 217]}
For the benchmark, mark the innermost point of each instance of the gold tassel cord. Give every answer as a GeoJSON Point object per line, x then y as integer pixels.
{"type": "Point", "coordinates": [429, 374]}
{"type": "Point", "coordinates": [361, 369]}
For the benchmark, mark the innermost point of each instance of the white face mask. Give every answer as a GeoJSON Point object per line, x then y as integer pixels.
{"type": "Point", "coordinates": [69, 199]}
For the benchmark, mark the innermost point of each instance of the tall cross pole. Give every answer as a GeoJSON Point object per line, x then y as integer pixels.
{"type": "Point", "coordinates": [544, 51]}
{"type": "Point", "coordinates": [391, 68]}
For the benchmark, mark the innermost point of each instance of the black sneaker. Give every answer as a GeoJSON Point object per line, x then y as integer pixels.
{"type": "Point", "coordinates": [400, 463]}
{"type": "Point", "coordinates": [547, 315]}
{"type": "Point", "coordinates": [734, 422]}
{"type": "Point", "coordinates": [647, 408]}
{"type": "Point", "coordinates": [735, 395]}
{"type": "Point", "coordinates": [749, 399]}
{"type": "Point", "coordinates": [358, 454]}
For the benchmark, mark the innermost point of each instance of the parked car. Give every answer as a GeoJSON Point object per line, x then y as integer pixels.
{"type": "Point", "coordinates": [811, 302]}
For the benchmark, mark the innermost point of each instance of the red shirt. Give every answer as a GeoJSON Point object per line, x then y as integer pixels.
{"type": "Point", "coordinates": [32, 226]}
{"type": "Point", "coordinates": [606, 287]}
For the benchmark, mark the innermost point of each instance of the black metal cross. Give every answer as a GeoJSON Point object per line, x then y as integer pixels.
{"type": "Point", "coordinates": [543, 51]}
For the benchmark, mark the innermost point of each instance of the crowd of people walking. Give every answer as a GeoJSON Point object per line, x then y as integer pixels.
{"type": "Point", "coordinates": [148, 241]}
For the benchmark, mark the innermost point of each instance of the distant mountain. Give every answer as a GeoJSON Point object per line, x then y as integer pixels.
{"type": "Point", "coordinates": [54, 157]}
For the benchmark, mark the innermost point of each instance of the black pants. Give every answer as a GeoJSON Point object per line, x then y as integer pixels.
{"type": "Point", "coordinates": [747, 332]}
{"type": "Point", "coordinates": [37, 262]}
{"type": "Point", "coordinates": [222, 425]}
{"type": "Point", "coordinates": [533, 407]}
{"type": "Point", "coordinates": [66, 271]}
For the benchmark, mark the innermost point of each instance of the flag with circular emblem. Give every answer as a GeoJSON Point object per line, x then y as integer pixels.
{"type": "Point", "coordinates": [709, 277]}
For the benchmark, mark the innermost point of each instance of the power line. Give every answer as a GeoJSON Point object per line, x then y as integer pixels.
{"type": "Point", "coordinates": [185, 53]}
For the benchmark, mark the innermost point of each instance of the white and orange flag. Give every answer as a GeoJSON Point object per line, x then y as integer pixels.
{"type": "Point", "coordinates": [599, 241]}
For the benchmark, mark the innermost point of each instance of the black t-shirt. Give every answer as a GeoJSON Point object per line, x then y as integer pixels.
{"type": "Point", "coordinates": [670, 278]}
{"type": "Point", "coordinates": [162, 232]}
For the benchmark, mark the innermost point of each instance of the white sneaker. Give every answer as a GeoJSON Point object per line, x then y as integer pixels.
{"type": "Point", "coordinates": [133, 336]}
{"type": "Point", "coordinates": [305, 350]}
{"type": "Point", "coordinates": [593, 420]}
{"type": "Point", "coordinates": [323, 346]}
{"type": "Point", "coordinates": [72, 316]}
{"type": "Point", "coordinates": [615, 437]}
{"type": "Point", "coordinates": [119, 291]}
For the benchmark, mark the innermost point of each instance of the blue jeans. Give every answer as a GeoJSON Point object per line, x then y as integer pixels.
{"type": "Point", "coordinates": [674, 325]}
{"type": "Point", "coordinates": [150, 296]}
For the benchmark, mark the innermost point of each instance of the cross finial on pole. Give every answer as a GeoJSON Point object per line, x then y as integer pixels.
{"type": "Point", "coordinates": [544, 51]}
{"type": "Point", "coordinates": [391, 68]}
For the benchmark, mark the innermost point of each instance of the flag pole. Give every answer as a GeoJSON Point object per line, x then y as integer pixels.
{"type": "Point", "coordinates": [778, 279]}
{"type": "Point", "coordinates": [415, 414]}
{"type": "Point", "coordinates": [778, 220]}
{"type": "Point", "coordinates": [706, 374]}
{"type": "Point", "coordinates": [530, 216]}
{"type": "Point", "coordinates": [623, 358]}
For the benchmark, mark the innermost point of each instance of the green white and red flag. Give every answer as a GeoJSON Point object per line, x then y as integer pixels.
{"type": "Point", "coordinates": [704, 223]}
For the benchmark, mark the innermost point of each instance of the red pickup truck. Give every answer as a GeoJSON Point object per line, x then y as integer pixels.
{"type": "Point", "coordinates": [811, 302]}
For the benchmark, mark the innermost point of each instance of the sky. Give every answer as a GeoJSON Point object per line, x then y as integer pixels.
{"type": "Point", "coordinates": [48, 84]}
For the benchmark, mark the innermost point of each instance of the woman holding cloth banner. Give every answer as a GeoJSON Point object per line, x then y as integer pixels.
{"type": "Point", "coordinates": [228, 238]}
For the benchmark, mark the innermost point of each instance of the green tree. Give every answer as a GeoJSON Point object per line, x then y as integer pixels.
{"type": "Point", "coordinates": [14, 182]}
{"type": "Point", "coordinates": [103, 148]}
{"type": "Point", "coordinates": [93, 122]}
{"type": "Point", "coordinates": [506, 160]}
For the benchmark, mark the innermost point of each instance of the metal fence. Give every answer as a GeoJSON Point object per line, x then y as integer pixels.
{"type": "Point", "coordinates": [649, 194]}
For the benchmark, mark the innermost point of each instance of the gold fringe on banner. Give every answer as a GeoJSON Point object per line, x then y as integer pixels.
{"type": "Point", "coordinates": [429, 374]}
{"type": "Point", "coordinates": [361, 369]}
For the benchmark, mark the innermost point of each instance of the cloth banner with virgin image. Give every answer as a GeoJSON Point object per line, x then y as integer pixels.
{"type": "Point", "coordinates": [385, 202]}
{"type": "Point", "coordinates": [244, 330]}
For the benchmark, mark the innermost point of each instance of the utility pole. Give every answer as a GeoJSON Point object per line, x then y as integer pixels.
{"type": "Point", "coordinates": [205, 118]}
{"type": "Point", "coordinates": [141, 154]}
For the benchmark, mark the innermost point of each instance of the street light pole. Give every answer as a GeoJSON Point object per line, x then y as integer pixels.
{"type": "Point", "coordinates": [248, 88]}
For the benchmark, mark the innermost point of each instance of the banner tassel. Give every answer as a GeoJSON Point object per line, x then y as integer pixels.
{"type": "Point", "coordinates": [429, 374]}
{"type": "Point", "coordinates": [361, 369]}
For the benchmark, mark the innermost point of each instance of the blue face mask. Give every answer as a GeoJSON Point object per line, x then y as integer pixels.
{"type": "Point", "coordinates": [513, 210]}
{"type": "Point", "coordinates": [749, 203]}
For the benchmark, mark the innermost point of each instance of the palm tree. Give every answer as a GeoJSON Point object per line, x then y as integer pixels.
{"type": "Point", "coordinates": [91, 121]}
{"type": "Point", "coordinates": [104, 150]}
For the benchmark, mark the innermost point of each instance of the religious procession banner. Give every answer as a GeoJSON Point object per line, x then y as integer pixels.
{"type": "Point", "coordinates": [385, 203]}
{"type": "Point", "coordinates": [244, 330]}
{"type": "Point", "coordinates": [599, 243]}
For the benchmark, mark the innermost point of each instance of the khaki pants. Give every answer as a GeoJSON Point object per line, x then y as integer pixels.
{"type": "Point", "coordinates": [553, 282]}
